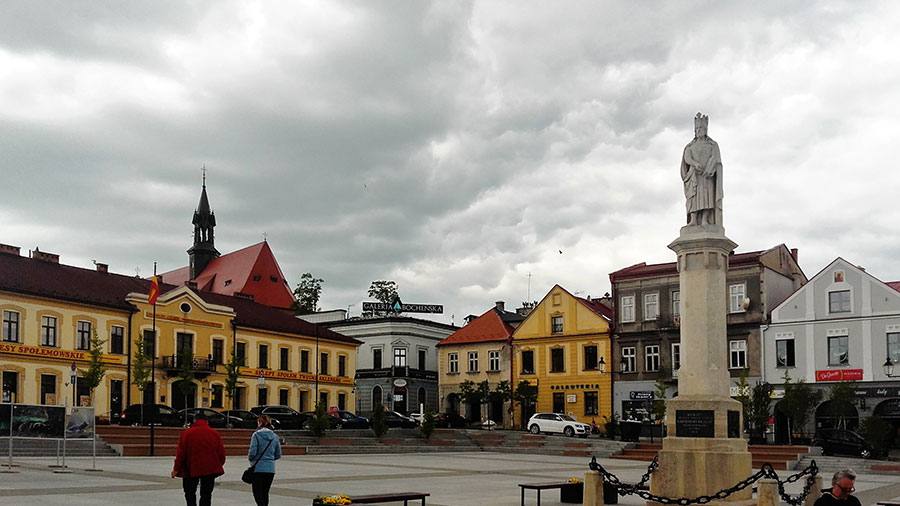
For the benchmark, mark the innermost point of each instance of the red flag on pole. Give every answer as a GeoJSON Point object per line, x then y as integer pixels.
{"type": "Point", "coordinates": [154, 292]}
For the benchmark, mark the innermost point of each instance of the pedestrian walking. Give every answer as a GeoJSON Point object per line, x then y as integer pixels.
{"type": "Point", "coordinates": [198, 460]}
{"type": "Point", "coordinates": [841, 491]}
{"type": "Point", "coordinates": [264, 451]}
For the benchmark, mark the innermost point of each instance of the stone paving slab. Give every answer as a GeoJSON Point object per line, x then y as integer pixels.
{"type": "Point", "coordinates": [452, 479]}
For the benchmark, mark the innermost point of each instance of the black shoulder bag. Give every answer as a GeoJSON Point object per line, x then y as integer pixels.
{"type": "Point", "coordinates": [247, 477]}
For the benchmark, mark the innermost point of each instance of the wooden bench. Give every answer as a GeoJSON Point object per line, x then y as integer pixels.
{"type": "Point", "coordinates": [543, 486]}
{"type": "Point", "coordinates": [397, 497]}
{"type": "Point", "coordinates": [889, 503]}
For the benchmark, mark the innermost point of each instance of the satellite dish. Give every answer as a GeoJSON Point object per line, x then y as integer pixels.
{"type": "Point", "coordinates": [746, 302]}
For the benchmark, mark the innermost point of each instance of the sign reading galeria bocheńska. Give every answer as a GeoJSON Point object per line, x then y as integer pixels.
{"type": "Point", "coordinates": [399, 307]}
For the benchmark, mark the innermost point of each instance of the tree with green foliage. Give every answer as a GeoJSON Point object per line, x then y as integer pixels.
{"type": "Point", "coordinates": [140, 366]}
{"type": "Point", "coordinates": [798, 403]}
{"type": "Point", "coordinates": [93, 376]}
{"type": "Point", "coordinates": [379, 427]}
{"type": "Point", "coordinates": [384, 292]}
{"type": "Point", "coordinates": [428, 424]}
{"type": "Point", "coordinates": [307, 294]}
{"type": "Point", "coordinates": [842, 405]}
{"type": "Point", "coordinates": [525, 395]}
{"type": "Point", "coordinates": [879, 433]}
{"type": "Point", "coordinates": [232, 376]}
{"type": "Point", "coordinates": [611, 426]}
{"type": "Point", "coordinates": [320, 421]}
{"type": "Point", "coordinates": [186, 372]}
{"type": "Point", "coordinates": [472, 393]}
{"type": "Point", "coordinates": [743, 396]}
{"type": "Point", "coordinates": [758, 413]}
{"type": "Point", "coordinates": [658, 407]}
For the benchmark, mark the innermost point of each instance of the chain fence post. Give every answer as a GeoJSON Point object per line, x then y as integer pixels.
{"type": "Point", "coordinates": [593, 489]}
{"type": "Point", "coordinates": [767, 492]}
{"type": "Point", "coordinates": [815, 492]}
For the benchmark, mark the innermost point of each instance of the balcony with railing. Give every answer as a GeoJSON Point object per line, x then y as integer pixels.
{"type": "Point", "coordinates": [200, 366]}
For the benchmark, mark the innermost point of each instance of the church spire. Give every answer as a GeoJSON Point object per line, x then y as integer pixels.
{"type": "Point", "coordinates": [204, 249]}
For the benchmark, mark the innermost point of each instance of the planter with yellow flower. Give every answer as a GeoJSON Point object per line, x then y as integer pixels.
{"type": "Point", "coordinates": [572, 491]}
{"type": "Point", "coordinates": [326, 500]}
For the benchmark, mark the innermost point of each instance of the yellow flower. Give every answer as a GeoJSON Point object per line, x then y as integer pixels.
{"type": "Point", "coordinates": [574, 480]}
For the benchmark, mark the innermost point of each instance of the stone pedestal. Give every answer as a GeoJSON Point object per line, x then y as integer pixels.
{"type": "Point", "coordinates": [704, 452]}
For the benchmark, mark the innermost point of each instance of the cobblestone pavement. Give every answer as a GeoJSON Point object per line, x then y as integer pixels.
{"type": "Point", "coordinates": [452, 479]}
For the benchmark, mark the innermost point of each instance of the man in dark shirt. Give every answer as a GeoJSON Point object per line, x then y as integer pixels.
{"type": "Point", "coordinates": [841, 488]}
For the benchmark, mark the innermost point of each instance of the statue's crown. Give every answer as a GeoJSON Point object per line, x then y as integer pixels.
{"type": "Point", "coordinates": [701, 119]}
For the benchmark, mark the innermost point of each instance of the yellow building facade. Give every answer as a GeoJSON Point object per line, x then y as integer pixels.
{"type": "Point", "coordinates": [50, 311]}
{"type": "Point", "coordinates": [559, 348]}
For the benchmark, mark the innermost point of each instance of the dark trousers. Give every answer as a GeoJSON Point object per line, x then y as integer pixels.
{"type": "Point", "coordinates": [262, 482]}
{"type": "Point", "coordinates": [207, 483]}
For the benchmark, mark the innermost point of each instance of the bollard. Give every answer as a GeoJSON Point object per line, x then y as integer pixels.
{"type": "Point", "coordinates": [815, 492]}
{"type": "Point", "coordinates": [767, 492]}
{"type": "Point", "coordinates": [593, 489]}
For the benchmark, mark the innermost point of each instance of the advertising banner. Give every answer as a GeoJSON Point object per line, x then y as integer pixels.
{"type": "Point", "coordinates": [81, 424]}
{"type": "Point", "coordinates": [36, 421]}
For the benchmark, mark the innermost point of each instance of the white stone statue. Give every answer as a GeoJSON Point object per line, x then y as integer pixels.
{"type": "Point", "coordinates": [701, 171]}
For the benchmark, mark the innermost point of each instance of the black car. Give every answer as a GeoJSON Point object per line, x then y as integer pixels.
{"type": "Point", "coordinates": [449, 420]}
{"type": "Point", "coordinates": [287, 417]}
{"type": "Point", "coordinates": [842, 442]}
{"type": "Point", "coordinates": [349, 420]}
{"type": "Point", "coordinates": [242, 419]}
{"type": "Point", "coordinates": [151, 414]}
{"type": "Point", "coordinates": [213, 418]}
{"type": "Point", "coordinates": [394, 419]}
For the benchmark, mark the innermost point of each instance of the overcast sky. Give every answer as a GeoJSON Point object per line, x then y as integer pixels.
{"type": "Point", "coordinates": [454, 147]}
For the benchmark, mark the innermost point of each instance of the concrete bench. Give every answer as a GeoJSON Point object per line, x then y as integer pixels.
{"type": "Point", "coordinates": [397, 497]}
{"type": "Point", "coordinates": [545, 486]}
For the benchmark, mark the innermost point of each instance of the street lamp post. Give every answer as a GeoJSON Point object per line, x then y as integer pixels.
{"type": "Point", "coordinates": [888, 368]}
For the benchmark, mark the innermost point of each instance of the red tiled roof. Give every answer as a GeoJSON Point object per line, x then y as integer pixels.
{"type": "Point", "coordinates": [250, 270]}
{"type": "Point", "coordinates": [894, 284]}
{"type": "Point", "coordinates": [28, 276]}
{"type": "Point", "coordinates": [488, 327]}
{"type": "Point", "coordinates": [643, 270]}
{"type": "Point", "coordinates": [597, 306]}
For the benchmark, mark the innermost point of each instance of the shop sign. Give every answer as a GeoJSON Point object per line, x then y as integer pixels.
{"type": "Point", "coordinates": [640, 395]}
{"type": "Point", "coordinates": [181, 319]}
{"type": "Point", "coordinates": [571, 398]}
{"type": "Point", "coordinates": [399, 307]}
{"type": "Point", "coordinates": [295, 376]}
{"type": "Point", "coordinates": [399, 382]}
{"type": "Point", "coordinates": [37, 351]}
{"type": "Point", "coordinates": [839, 375]}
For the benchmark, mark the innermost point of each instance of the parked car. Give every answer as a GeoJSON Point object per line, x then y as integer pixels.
{"type": "Point", "coordinates": [151, 414]}
{"type": "Point", "coordinates": [214, 418]}
{"type": "Point", "coordinates": [559, 423]}
{"type": "Point", "coordinates": [842, 442]}
{"type": "Point", "coordinates": [394, 419]}
{"type": "Point", "coordinates": [450, 420]}
{"type": "Point", "coordinates": [287, 417]}
{"type": "Point", "coordinates": [350, 420]}
{"type": "Point", "coordinates": [243, 419]}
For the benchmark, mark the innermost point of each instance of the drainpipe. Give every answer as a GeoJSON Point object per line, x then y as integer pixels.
{"type": "Point", "coordinates": [233, 351]}
{"type": "Point", "coordinates": [128, 360]}
{"type": "Point", "coordinates": [512, 386]}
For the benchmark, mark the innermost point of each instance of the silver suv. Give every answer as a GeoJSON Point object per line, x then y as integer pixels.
{"type": "Point", "coordinates": [559, 423]}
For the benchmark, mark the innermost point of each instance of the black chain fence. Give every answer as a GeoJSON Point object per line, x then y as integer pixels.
{"type": "Point", "coordinates": [766, 471]}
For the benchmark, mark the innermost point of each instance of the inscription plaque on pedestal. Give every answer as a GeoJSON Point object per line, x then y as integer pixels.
{"type": "Point", "coordinates": [695, 423]}
{"type": "Point", "coordinates": [734, 423]}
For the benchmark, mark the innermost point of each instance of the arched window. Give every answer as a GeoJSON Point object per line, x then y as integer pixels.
{"type": "Point", "coordinates": [377, 397]}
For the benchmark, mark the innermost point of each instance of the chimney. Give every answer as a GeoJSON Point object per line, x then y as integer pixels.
{"type": "Point", "coordinates": [44, 257]}
{"type": "Point", "coordinates": [102, 267]}
{"type": "Point", "coordinates": [794, 252]}
{"type": "Point", "coordinates": [9, 250]}
{"type": "Point", "coordinates": [191, 284]}
{"type": "Point", "coordinates": [499, 306]}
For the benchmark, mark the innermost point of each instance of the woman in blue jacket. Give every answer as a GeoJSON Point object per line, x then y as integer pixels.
{"type": "Point", "coordinates": [265, 468]}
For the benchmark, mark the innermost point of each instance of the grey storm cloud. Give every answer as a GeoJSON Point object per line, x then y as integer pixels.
{"type": "Point", "coordinates": [455, 147]}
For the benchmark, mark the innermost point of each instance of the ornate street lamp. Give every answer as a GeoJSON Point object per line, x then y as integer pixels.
{"type": "Point", "coordinates": [888, 368]}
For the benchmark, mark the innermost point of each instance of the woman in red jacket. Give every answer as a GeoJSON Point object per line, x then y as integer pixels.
{"type": "Point", "coordinates": [199, 460]}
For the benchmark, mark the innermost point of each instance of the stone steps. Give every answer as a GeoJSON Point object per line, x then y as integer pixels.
{"type": "Point", "coordinates": [50, 447]}
{"type": "Point", "coordinates": [829, 464]}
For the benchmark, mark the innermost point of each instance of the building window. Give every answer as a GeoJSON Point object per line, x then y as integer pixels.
{"type": "Point", "coordinates": [284, 396]}
{"type": "Point", "coordinates": [218, 351]}
{"type": "Point", "coordinates": [628, 308]}
{"type": "Point", "coordinates": [528, 362]}
{"type": "Point", "coordinates": [676, 303]}
{"type": "Point", "coordinates": [591, 403]}
{"type": "Point", "coordinates": [323, 363]}
{"type": "Point", "coordinates": [48, 331]}
{"type": "Point", "coordinates": [473, 361]}
{"type": "Point", "coordinates": [736, 296]}
{"type": "Point", "coordinates": [323, 398]}
{"type": "Point", "coordinates": [48, 388]}
{"type": "Point", "coordinates": [149, 341]}
{"type": "Point", "coordinates": [342, 401]}
{"type": "Point", "coordinates": [453, 363]}
{"type": "Point", "coordinates": [422, 359]}
{"type": "Point", "coordinates": [399, 357]}
{"type": "Point", "coordinates": [837, 351]}
{"type": "Point", "coordinates": [82, 335]}
{"type": "Point", "coordinates": [304, 360]}
{"type": "Point", "coordinates": [376, 358]}
{"type": "Point", "coordinates": [651, 357]}
{"type": "Point", "coordinates": [651, 306]}
{"type": "Point", "coordinates": [284, 359]}
{"type": "Point", "coordinates": [117, 339]}
{"type": "Point", "coordinates": [11, 326]}
{"type": "Point", "coordinates": [676, 358]}
{"type": "Point", "coordinates": [628, 354]}
{"type": "Point", "coordinates": [737, 354]}
{"type": "Point", "coordinates": [217, 396]}
{"type": "Point", "coordinates": [590, 358]}
{"type": "Point", "coordinates": [556, 324]}
{"type": "Point", "coordinates": [262, 396]}
{"type": "Point", "coordinates": [264, 356]}
{"type": "Point", "coordinates": [240, 352]}
{"type": "Point", "coordinates": [557, 360]}
{"type": "Point", "coordinates": [893, 346]}
{"type": "Point", "coordinates": [494, 360]}
{"type": "Point", "coordinates": [839, 302]}
{"type": "Point", "coordinates": [342, 366]}
{"type": "Point", "coordinates": [10, 387]}
{"type": "Point", "coordinates": [784, 353]}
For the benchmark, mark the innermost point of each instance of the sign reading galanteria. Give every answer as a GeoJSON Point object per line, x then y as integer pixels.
{"type": "Point", "coordinates": [399, 307]}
